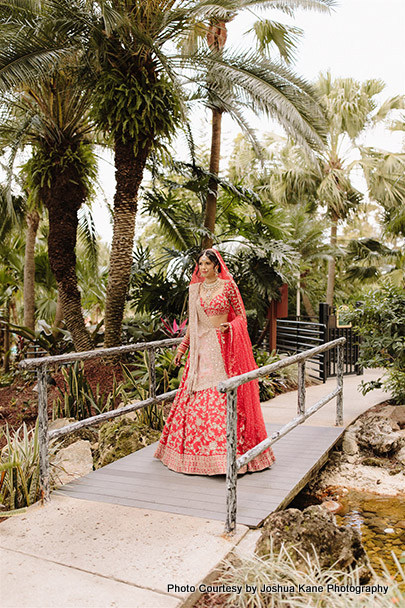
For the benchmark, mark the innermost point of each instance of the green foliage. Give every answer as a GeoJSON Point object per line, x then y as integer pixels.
{"type": "Point", "coordinates": [136, 384]}
{"type": "Point", "coordinates": [152, 291]}
{"type": "Point", "coordinates": [278, 382]}
{"type": "Point", "coordinates": [279, 567]}
{"type": "Point", "coordinates": [43, 337]}
{"type": "Point", "coordinates": [46, 161]}
{"type": "Point", "coordinates": [77, 399]}
{"type": "Point", "coordinates": [136, 106]}
{"type": "Point", "coordinates": [380, 321]}
{"type": "Point", "coordinates": [19, 469]}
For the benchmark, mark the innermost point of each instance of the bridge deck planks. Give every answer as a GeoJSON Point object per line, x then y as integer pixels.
{"type": "Point", "coordinates": [141, 481]}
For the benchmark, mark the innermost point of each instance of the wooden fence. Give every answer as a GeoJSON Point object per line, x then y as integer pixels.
{"type": "Point", "coordinates": [230, 387]}
{"type": "Point", "coordinates": [41, 364]}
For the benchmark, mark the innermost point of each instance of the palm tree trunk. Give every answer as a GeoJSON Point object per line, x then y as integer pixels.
{"type": "Point", "coordinates": [330, 290]}
{"type": "Point", "coordinates": [305, 299]}
{"type": "Point", "coordinates": [216, 39]}
{"type": "Point", "coordinates": [309, 309]}
{"type": "Point", "coordinates": [63, 200]}
{"type": "Point", "coordinates": [29, 269]}
{"type": "Point", "coordinates": [58, 316]}
{"type": "Point", "coordinates": [211, 203]}
{"type": "Point", "coordinates": [129, 168]}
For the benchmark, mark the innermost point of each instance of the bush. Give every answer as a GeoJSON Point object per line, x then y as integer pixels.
{"type": "Point", "coordinates": [380, 321]}
{"type": "Point", "coordinates": [280, 381]}
{"type": "Point", "coordinates": [19, 469]}
{"type": "Point", "coordinates": [299, 588]}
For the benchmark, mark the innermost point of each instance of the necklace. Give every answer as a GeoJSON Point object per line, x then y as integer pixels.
{"type": "Point", "coordinates": [210, 286]}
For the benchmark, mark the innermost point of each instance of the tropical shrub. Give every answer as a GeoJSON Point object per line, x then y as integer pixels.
{"type": "Point", "coordinates": [19, 469]}
{"type": "Point", "coordinates": [78, 400]}
{"type": "Point", "coordinates": [136, 384]}
{"type": "Point", "coordinates": [280, 381]}
{"type": "Point", "coordinates": [274, 581]}
{"type": "Point", "coordinates": [380, 321]}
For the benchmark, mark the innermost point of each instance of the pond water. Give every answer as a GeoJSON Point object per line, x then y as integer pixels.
{"type": "Point", "coordinates": [379, 519]}
{"type": "Point", "coordinates": [381, 523]}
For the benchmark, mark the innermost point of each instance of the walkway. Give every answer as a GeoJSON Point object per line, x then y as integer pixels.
{"type": "Point", "coordinates": [76, 553]}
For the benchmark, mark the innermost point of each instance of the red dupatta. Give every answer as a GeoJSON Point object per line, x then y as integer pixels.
{"type": "Point", "coordinates": [236, 350]}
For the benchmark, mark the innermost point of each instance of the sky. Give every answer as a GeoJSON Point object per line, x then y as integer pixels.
{"type": "Point", "coordinates": [361, 39]}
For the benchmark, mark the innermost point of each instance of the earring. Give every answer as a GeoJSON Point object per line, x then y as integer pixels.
{"type": "Point", "coordinates": [216, 271]}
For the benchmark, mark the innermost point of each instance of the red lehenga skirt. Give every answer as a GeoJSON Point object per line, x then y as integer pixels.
{"type": "Point", "coordinates": [194, 437]}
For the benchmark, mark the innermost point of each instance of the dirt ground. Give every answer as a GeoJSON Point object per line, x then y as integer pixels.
{"type": "Point", "coordinates": [19, 401]}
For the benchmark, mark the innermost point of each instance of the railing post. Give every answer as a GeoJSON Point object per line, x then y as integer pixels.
{"type": "Point", "coordinates": [152, 372]}
{"type": "Point", "coordinates": [301, 388]}
{"type": "Point", "coordinates": [231, 470]}
{"type": "Point", "coordinates": [43, 434]}
{"type": "Point", "coordinates": [339, 398]}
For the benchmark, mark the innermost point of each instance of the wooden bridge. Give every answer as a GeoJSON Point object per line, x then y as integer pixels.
{"type": "Point", "coordinates": [122, 534]}
{"type": "Point", "coordinates": [141, 481]}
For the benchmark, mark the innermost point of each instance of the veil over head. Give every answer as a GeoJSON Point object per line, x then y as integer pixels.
{"type": "Point", "coordinates": [225, 274]}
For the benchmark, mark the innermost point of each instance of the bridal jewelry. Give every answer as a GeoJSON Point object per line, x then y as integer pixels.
{"type": "Point", "coordinates": [210, 286]}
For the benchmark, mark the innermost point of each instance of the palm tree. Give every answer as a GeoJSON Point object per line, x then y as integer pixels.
{"type": "Point", "coordinates": [325, 181]}
{"type": "Point", "coordinates": [351, 109]}
{"type": "Point", "coordinates": [32, 218]}
{"type": "Point", "coordinates": [58, 175]}
{"type": "Point", "coordinates": [222, 96]}
{"type": "Point", "coordinates": [137, 79]}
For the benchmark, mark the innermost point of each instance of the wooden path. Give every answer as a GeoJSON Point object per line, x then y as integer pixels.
{"type": "Point", "coordinates": [139, 480]}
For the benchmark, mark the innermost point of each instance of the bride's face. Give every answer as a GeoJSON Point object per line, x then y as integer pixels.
{"type": "Point", "coordinates": [206, 268]}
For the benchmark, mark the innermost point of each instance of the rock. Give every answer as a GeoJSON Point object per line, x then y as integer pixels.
{"type": "Point", "coordinates": [331, 505]}
{"type": "Point", "coordinates": [311, 531]}
{"type": "Point", "coordinates": [373, 462]}
{"type": "Point", "coordinates": [121, 438]}
{"type": "Point", "coordinates": [59, 423]}
{"type": "Point", "coordinates": [73, 461]}
{"type": "Point", "coordinates": [376, 433]}
{"type": "Point", "coordinates": [398, 415]}
{"type": "Point", "coordinates": [389, 531]}
{"type": "Point", "coordinates": [400, 456]}
{"type": "Point", "coordinates": [349, 444]}
{"type": "Point", "coordinates": [87, 433]}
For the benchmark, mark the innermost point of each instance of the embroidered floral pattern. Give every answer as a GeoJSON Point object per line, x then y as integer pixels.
{"type": "Point", "coordinates": [194, 437]}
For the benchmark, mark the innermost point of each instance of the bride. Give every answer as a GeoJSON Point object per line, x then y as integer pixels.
{"type": "Point", "coordinates": [194, 437]}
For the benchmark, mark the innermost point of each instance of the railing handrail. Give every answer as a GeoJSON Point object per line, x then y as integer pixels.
{"type": "Point", "coordinates": [97, 352]}
{"type": "Point", "coordinates": [230, 387]}
{"type": "Point", "coordinates": [41, 369]}
{"type": "Point", "coordinates": [236, 381]}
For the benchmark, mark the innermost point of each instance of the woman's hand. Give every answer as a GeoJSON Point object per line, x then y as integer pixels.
{"type": "Point", "coordinates": [177, 358]}
{"type": "Point", "coordinates": [224, 327]}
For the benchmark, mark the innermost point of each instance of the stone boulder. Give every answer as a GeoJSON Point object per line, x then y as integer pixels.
{"type": "Point", "coordinates": [120, 438]}
{"type": "Point", "coordinates": [89, 433]}
{"type": "Point", "coordinates": [72, 462]}
{"type": "Point", "coordinates": [314, 531]}
{"type": "Point", "coordinates": [380, 435]}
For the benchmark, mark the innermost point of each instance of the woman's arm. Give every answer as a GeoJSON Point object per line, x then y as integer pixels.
{"type": "Point", "coordinates": [182, 347]}
{"type": "Point", "coordinates": [235, 300]}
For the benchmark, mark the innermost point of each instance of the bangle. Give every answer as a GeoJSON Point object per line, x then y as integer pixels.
{"type": "Point", "coordinates": [184, 344]}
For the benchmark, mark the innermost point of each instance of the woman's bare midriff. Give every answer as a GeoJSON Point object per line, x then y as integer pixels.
{"type": "Point", "coordinates": [216, 320]}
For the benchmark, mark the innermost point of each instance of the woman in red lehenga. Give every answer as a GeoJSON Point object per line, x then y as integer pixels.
{"type": "Point", "coordinates": [194, 437]}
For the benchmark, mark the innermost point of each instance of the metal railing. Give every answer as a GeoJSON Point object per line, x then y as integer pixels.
{"type": "Point", "coordinates": [230, 387]}
{"type": "Point", "coordinates": [41, 364]}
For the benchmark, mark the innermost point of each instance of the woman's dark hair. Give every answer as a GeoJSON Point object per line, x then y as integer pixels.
{"type": "Point", "coordinates": [209, 253]}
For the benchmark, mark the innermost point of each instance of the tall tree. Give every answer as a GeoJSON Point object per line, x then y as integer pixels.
{"type": "Point", "coordinates": [269, 34]}
{"type": "Point", "coordinates": [136, 78]}
{"type": "Point", "coordinates": [52, 116]}
{"type": "Point", "coordinates": [351, 109]}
